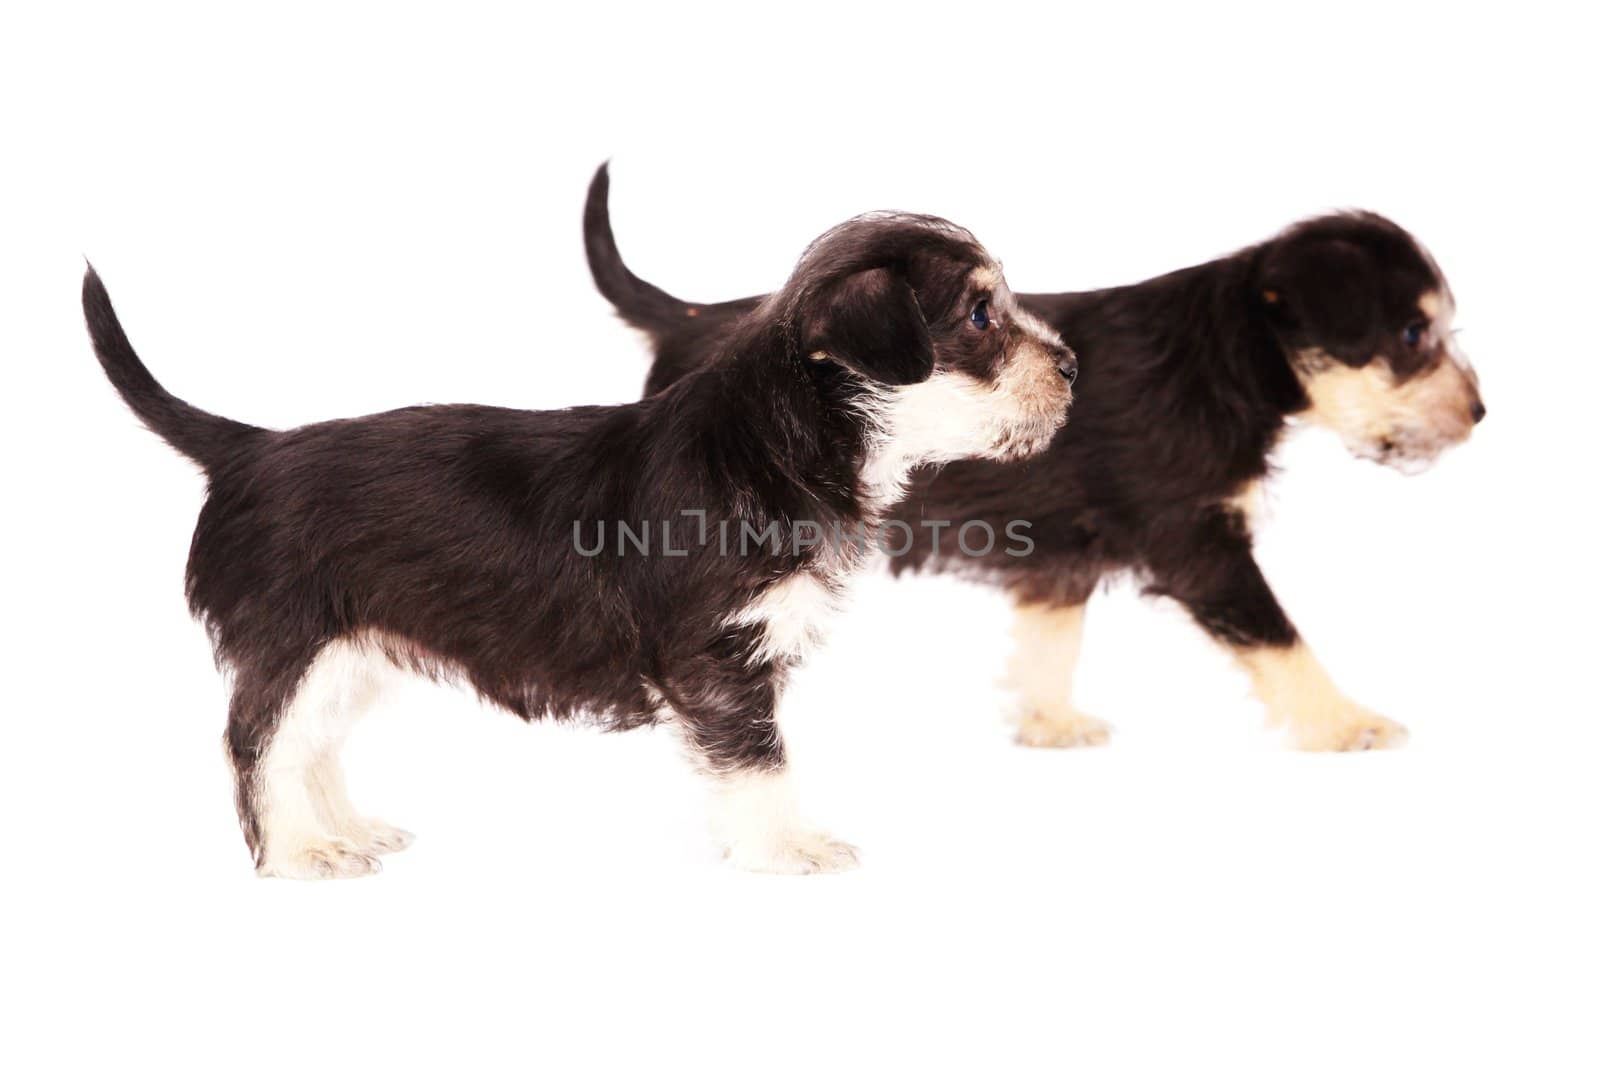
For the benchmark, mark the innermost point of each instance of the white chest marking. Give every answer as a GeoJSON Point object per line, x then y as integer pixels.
{"type": "Point", "coordinates": [794, 615]}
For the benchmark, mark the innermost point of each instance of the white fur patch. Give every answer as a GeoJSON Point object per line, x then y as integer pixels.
{"type": "Point", "coordinates": [955, 416]}
{"type": "Point", "coordinates": [949, 416]}
{"type": "Point", "coordinates": [309, 829]}
{"type": "Point", "coordinates": [753, 816]}
{"type": "Point", "coordinates": [794, 615]}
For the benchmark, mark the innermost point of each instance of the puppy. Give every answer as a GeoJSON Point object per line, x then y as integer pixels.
{"type": "Point", "coordinates": [1190, 379]}
{"type": "Point", "coordinates": [471, 542]}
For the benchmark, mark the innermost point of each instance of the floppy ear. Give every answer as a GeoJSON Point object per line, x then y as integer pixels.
{"type": "Point", "coordinates": [870, 322]}
{"type": "Point", "coordinates": [1326, 293]}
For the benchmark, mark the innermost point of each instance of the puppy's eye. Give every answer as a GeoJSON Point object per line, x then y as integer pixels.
{"type": "Point", "coordinates": [1414, 333]}
{"type": "Point", "coordinates": [980, 315]}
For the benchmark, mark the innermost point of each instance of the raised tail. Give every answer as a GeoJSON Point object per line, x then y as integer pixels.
{"type": "Point", "coordinates": [206, 438]}
{"type": "Point", "coordinates": [640, 303]}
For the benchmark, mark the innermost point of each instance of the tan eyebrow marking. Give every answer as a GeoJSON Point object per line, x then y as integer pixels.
{"type": "Point", "coordinates": [986, 277]}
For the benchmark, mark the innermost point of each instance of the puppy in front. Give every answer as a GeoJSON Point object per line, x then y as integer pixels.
{"type": "Point", "coordinates": [459, 541]}
{"type": "Point", "coordinates": [1343, 321]}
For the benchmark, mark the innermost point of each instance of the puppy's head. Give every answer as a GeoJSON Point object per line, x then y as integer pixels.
{"type": "Point", "coordinates": [1365, 315]}
{"type": "Point", "coordinates": [914, 310]}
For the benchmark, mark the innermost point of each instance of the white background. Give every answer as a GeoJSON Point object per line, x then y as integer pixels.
{"type": "Point", "coordinates": [307, 212]}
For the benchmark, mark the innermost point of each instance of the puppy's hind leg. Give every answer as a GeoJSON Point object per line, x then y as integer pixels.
{"type": "Point", "coordinates": [736, 743]}
{"type": "Point", "coordinates": [335, 811]}
{"type": "Point", "coordinates": [292, 800]}
{"type": "Point", "coordinates": [360, 688]}
{"type": "Point", "coordinates": [1046, 641]}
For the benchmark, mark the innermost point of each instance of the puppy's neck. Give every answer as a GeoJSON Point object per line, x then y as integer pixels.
{"type": "Point", "coordinates": [776, 424]}
{"type": "Point", "coordinates": [891, 451]}
{"type": "Point", "coordinates": [907, 428]}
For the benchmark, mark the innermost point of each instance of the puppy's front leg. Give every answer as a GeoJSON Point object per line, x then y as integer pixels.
{"type": "Point", "coordinates": [754, 818]}
{"type": "Point", "coordinates": [1299, 693]}
{"type": "Point", "coordinates": [1046, 638]}
{"type": "Point", "coordinates": [731, 728]}
{"type": "Point", "coordinates": [1217, 580]}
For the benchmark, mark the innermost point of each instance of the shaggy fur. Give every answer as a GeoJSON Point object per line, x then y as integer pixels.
{"type": "Point", "coordinates": [1188, 382]}
{"type": "Point", "coordinates": [455, 540]}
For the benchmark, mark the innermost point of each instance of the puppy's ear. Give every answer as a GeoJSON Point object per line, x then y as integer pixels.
{"type": "Point", "coordinates": [870, 322]}
{"type": "Point", "coordinates": [1325, 293]}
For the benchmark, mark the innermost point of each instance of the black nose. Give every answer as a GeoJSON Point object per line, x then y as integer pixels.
{"type": "Point", "coordinates": [1068, 365]}
{"type": "Point", "coordinates": [1478, 411]}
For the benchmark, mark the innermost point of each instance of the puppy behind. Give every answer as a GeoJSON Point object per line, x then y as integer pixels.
{"type": "Point", "coordinates": [1344, 321]}
{"type": "Point", "coordinates": [458, 540]}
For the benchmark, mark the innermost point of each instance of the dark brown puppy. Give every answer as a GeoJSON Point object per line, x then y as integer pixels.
{"type": "Point", "coordinates": [658, 561]}
{"type": "Point", "coordinates": [1189, 379]}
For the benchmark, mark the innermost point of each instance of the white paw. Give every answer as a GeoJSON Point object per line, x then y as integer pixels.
{"type": "Point", "coordinates": [1358, 730]}
{"type": "Point", "coordinates": [797, 853]}
{"type": "Point", "coordinates": [318, 860]}
{"type": "Point", "coordinates": [1061, 730]}
{"type": "Point", "coordinates": [377, 835]}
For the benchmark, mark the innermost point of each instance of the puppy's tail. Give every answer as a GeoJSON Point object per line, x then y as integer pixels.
{"type": "Point", "coordinates": [640, 303]}
{"type": "Point", "coordinates": [206, 438]}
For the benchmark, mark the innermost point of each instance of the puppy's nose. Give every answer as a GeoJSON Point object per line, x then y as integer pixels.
{"type": "Point", "coordinates": [1478, 411]}
{"type": "Point", "coordinates": [1068, 365]}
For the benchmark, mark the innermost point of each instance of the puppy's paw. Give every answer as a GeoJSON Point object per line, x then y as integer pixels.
{"type": "Point", "coordinates": [796, 853]}
{"type": "Point", "coordinates": [375, 835]}
{"type": "Point", "coordinates": [1036, 729]}
{"type": "Point", "coordinates": [318, 860]}
{"type": "Point", "coordinates": [1354, 730]}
